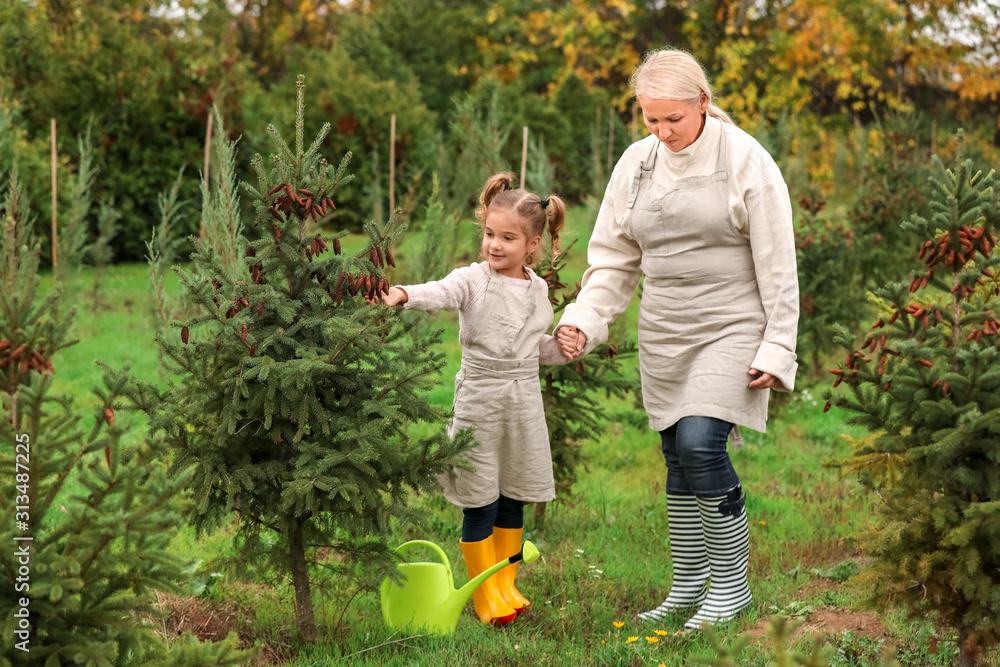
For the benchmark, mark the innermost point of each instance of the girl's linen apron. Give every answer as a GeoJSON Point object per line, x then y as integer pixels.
{"type": "Point", "coordinates": [497, 392]}
{"type": "Point", "coordinates": [701, 320]}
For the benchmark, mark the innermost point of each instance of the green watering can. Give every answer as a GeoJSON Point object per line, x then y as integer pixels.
{"type": "Point", "coordinates": [428, 599]}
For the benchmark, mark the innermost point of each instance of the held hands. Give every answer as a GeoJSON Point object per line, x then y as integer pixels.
{"type": "Point", "coordinates": [571, 341]}
{"type": "Point", "coordinates": [393, 297]}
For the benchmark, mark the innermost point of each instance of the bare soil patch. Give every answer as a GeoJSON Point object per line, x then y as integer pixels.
{"type": "Point", "coordinates": [211, 623]}
{"type": "Point", "coordinates": [830, 621]}
{"type": "Point", "coordinates": [815, 587]}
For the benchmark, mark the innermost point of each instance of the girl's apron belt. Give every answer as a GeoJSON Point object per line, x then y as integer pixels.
{"type": "Point", "coordinates": [500, 369]}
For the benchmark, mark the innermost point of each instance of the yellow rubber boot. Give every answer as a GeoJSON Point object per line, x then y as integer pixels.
{"type": "Point", "coordinates": [490, 607]}
{"type": "Point", "coordinates": [508, 543]}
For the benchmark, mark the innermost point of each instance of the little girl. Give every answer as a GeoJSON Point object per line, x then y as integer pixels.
{"type": "Point", "coordinates": [504, 312]}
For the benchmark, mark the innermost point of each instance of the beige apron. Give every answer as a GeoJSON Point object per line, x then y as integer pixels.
{"type": "Point", "coordinates": [497, 391]}
{"type": "Point", "coordinates": [701, 320]}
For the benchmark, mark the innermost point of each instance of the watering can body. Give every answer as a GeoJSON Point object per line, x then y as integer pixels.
{"type": "Point", "coordinates": [428, 598]}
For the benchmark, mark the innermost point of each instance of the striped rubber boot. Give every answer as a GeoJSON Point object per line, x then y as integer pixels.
{"type": "Point", "coordinates": [727, 540]}
{"type": "Point", "coordinates": [688, 555]}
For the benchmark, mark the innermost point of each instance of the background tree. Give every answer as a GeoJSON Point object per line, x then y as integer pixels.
{"type": "Point", "coordinates": [292, 392]}
{"type": "Point", "coordinates": [925, 381]}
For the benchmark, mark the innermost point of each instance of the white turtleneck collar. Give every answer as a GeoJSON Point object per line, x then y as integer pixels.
{"type": "Point", "coordinates": [702, 150]}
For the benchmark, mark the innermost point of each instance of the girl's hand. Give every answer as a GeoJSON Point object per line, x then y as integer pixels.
{"type": "Point", "coordinates": [395, 296]}
{"type": "Point", "coordinates": [764, 381]}
{"type": "Point", "coordinates": [571, 341]}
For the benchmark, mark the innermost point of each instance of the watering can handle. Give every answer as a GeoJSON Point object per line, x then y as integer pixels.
{"type": "Point", "coordinates": [433, 547]}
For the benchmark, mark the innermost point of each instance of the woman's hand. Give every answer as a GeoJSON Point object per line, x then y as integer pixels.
{"type": "Point", "coordinates": [571, 341]}
{"type": "Point", "coordinates": [395, 296]}
{"type": "Point", "coordinates": [763, 380]}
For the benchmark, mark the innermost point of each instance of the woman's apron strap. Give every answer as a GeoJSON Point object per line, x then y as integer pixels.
{"type": "Point", "coordinates": [645, 168]}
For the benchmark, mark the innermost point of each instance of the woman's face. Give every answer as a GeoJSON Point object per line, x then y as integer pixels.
{"type": "Point", "coordinates": [677, 123]}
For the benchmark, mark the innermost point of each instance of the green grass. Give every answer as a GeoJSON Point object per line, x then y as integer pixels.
{"type": "Point", "coordinates": [604, 555]}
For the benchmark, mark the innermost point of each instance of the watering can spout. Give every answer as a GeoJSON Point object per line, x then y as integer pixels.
{"type": "Point", "coordinates": [528, 553]}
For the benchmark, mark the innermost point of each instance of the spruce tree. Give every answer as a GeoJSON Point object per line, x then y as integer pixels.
{"type": "Point", "coordinates": [571, 392]}
{"type": "Point", "coordinates": [291, 392]}
{"type": "Point", "coordinates": [926, 382]}
{"type": "Point", "coordinates": [86, 523]}
{"type": "Point", "coordinates": [73, 232]}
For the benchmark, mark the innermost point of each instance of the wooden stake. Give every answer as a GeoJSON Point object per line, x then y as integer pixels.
{"type": "Point", "coordinates": [933, 138]}
{"type": "Point", "coordinates": [208, 155]}
{"type": "Point", "coordinates": [392, 165]}
{"type": "Point", "coordinates": [611, 138]}
{"type": "Point", "coordinates": [524, 156]}
{"type": "Point", "coordinates": [597, 145]}
{"type": "Point", "coordinates": [55, 237]}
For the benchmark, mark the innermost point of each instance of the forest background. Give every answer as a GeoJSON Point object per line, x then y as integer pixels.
{"type": "Point", "coordinates": [811, 79]}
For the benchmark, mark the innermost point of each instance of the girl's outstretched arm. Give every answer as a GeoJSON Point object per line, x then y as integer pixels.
{"type": "Point", "coordinates": [453, 292]}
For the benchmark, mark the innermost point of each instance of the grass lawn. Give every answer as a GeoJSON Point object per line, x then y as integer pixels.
{"type": "Point", "coordinates": [604, 549]}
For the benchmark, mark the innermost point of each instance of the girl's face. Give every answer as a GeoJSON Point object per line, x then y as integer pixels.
{"type": "Point", "coordinates": [677, 123]}
{"type": "Point", "coordinates": [505, 243]}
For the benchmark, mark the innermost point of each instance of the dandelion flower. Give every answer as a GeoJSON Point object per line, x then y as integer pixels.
{"type": "Point", "coordinates": [662, 633]}
{"type": "Point", "coordinates": [763, 523]}
{"type": "Point", "coordinates": [652, 640]}
{"type": "Point", "coordinates": [618, 624]}
{"type": "Point", "coordinates": [631, 639]}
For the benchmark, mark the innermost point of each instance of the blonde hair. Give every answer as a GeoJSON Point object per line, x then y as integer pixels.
{"type": "Point", "coordinates": [672, 74]}
{"type": "Point", "coordinates": [534, 213]}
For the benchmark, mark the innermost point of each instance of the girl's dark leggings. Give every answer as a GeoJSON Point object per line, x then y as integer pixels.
{"type": "Point", "coordinates": [503, 513]}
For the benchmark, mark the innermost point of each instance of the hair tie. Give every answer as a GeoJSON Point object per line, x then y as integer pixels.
{"type": "Point", "coordinates": [543, 202]}
{"type": "Point", "coordinates": [506, 186]}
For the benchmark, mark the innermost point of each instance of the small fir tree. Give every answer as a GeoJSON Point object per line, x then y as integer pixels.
{"type": "Point", "coordinates": [99, 519]}
{"type": "Point", "coordinates": [570, 391]}
{"type": "Point", "coordinates": [292, 392]}
{"type": "Point", "coordinates": [926, 382]}
{"type": "Point", "coordinates": [161, 251]}
{"type": "Point", "coordinates": [74, 232]}
{"type": "Point", "coordinates": [826, 256]}
{"type": "Point", "coordinates": [892, 188]}
{"type": "Point", "coordinates": [100, 250]}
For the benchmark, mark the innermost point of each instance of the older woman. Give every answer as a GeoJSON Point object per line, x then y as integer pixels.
{"type": "Point", "coordinates": [701, 210]}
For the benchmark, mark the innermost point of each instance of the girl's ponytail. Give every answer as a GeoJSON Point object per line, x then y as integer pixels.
{"type": "Point", "coordinates": [496, 184]}
{"type": "Point", "coordinates": [556, 215]}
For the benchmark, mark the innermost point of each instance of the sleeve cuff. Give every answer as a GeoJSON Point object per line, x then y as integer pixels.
{"type": "Point", "coordinates": [779, 362]}
{"type": "Point", "coordinates": [593, 326]}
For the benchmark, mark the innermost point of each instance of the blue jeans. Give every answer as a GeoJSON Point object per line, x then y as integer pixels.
{"type": "Point", "coordinates": [697, 461]}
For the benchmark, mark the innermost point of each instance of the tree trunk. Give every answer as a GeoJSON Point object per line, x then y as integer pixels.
{"type": "Point", "coordinates": [300, 580]}
{"type": "Point", "coordinates": [968, 649]}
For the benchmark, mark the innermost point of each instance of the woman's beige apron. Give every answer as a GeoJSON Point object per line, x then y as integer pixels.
{"type": "Point", "coordinates": [497, 392]}
{"type": "Point", "coordinates": [701, 320]}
